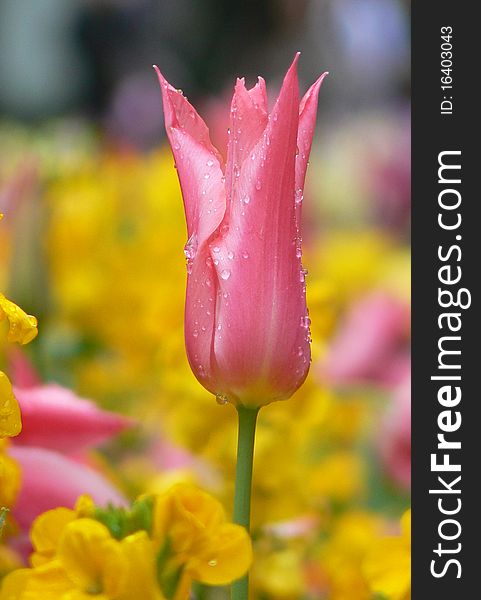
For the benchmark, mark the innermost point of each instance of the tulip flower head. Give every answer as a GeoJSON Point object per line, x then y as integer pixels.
{"type": "Point", "coordinates": [246, 319]}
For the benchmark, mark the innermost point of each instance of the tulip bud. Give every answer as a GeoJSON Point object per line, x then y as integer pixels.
{"type": "Point", "coordinates": [246, 320]}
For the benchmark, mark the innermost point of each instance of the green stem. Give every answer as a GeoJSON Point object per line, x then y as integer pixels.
{"type": "Point", "coordinates": [243, 483]}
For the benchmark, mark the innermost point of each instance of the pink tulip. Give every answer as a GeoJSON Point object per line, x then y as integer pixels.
{"type": "Point", "coordinates": [246, 319]}
{"type": "Point", "coordinates": [372, 343]}
{"type": "Point", "coordinates": [55, 418]}
{"type": "Point", "coordinates": [395, 436]}
{"type": "Point", "coordinates": [50, 480]}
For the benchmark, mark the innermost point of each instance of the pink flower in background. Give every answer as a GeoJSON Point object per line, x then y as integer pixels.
{"type": "Point", "coordinates": [55, 418]}
{"type": "Point", "coordinates": [395, 436]}
{"type": "Point", "coordinates": [58, 428]}
{"type": "Point", "coordinates": [50, 479]}
{"type": "Point", "coordinates": [371, 345]}
{"type": "Point", "coordinates": [246, 320]}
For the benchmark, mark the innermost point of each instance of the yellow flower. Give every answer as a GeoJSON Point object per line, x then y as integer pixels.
{"type": "Point", "coordinates": [212, 550]}
{"type": "Point", "coordinates": [46, 532]}
{"type": "Point", "coordinates": [9, 478]}
{"type": "Point", "coordinates": [339, 477]}
{"type": "Point", "coordinates": [10, 419]}
{"type": "Point", "coordinates": [13, 585]}
{"type": "Point", "coordinates": [343, 554]}
{"type": "Point", "coordinates": [140, 553]}
{"type": "Point", "coordinates": [22, 327]}
{"type": "Point", "coordinates": [388, 564]}
{"type": "Point", "coordinates": [279, 574]}
{"type": "Point", "coordinates": [88, 562]}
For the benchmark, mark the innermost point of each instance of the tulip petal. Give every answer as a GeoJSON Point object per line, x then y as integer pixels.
{"type": "Point", "coordinates": [54, 417]}
{"type": "Point", "coordinates": [262, 335]}
{"type": "Point", "coordinates": [248, 120]}
{"type": "Point", "coordinates": [305, 134]}
{"type": "Point", "coordinates": [50, 480]}
{"type": "Point", "coordinates": [199, 166]}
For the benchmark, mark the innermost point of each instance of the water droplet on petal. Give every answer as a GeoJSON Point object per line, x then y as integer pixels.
{"type": "Point", "coordinates": [245, 254]}
{"type": "Point", "coordinates": [216, 249]}
{"type": "Point", "coordinates": [209, 163]}
{"type": "Point", "coordinates": [305, 322]}
{"type": "Point", "coordinates": [258, 185]}
{"type": "Point", "coordinates": [195, 333]}
{"type": "Point", "coordinates": [246, 199]}
{"type": "Point", "coordinates": [221, 399]}
{"type": "Point", "coordinates": [230, 255]}
{"type": "Point", "coordinates": [212, 563]}
{"type": "Point", "coordinates": [225, 274]}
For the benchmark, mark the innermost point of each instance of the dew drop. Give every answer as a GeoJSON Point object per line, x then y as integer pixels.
{"type": "Point", "coordinates": [212, 563]}
{"type": "Point", "coordinates": [246, 199]}
{"type": "Point", "coordinates": [195, 333]}
{"type": "Point", "coordinates": [225, 274]}
{"type": "Point", "coordinates": [230, 255]}
{"type": "Point", "coordinates": [305, 322]}
{"type": "Point", "coordinates": [216, 249]}
{"type": "Point", "coordinates": [209, 163]}
{"type": "Point", "coordinates": [299, 196]}
{"type": "Point", "coordinates": [258, 184]}
{"type": "Point", "coordinates": [245, 254]}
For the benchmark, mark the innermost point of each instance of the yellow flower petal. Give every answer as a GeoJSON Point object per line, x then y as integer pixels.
{"type": "Point", "coordinates": [48, 582]}
{"type": "Point", "coordinates": [388, 565]}
{"type": "Point", "coordinates": [9, 480]}
{"type": "Point", "coordinates": [46, 532]}
{"type": "Point", "coordinates": [185, 514]}
{"type": "Point", "coordinates": [227, 557]}
{"type": "Point", "coordinates": [142, 579]}
{"type": "Point", "coordinates": [13, 584]}
{"type": "Point", "coordinates": [10, 419]}
{"type": "Point", "coordinates": [92, 559]}
{"type": "Point", "coordinates": [23, 327]}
